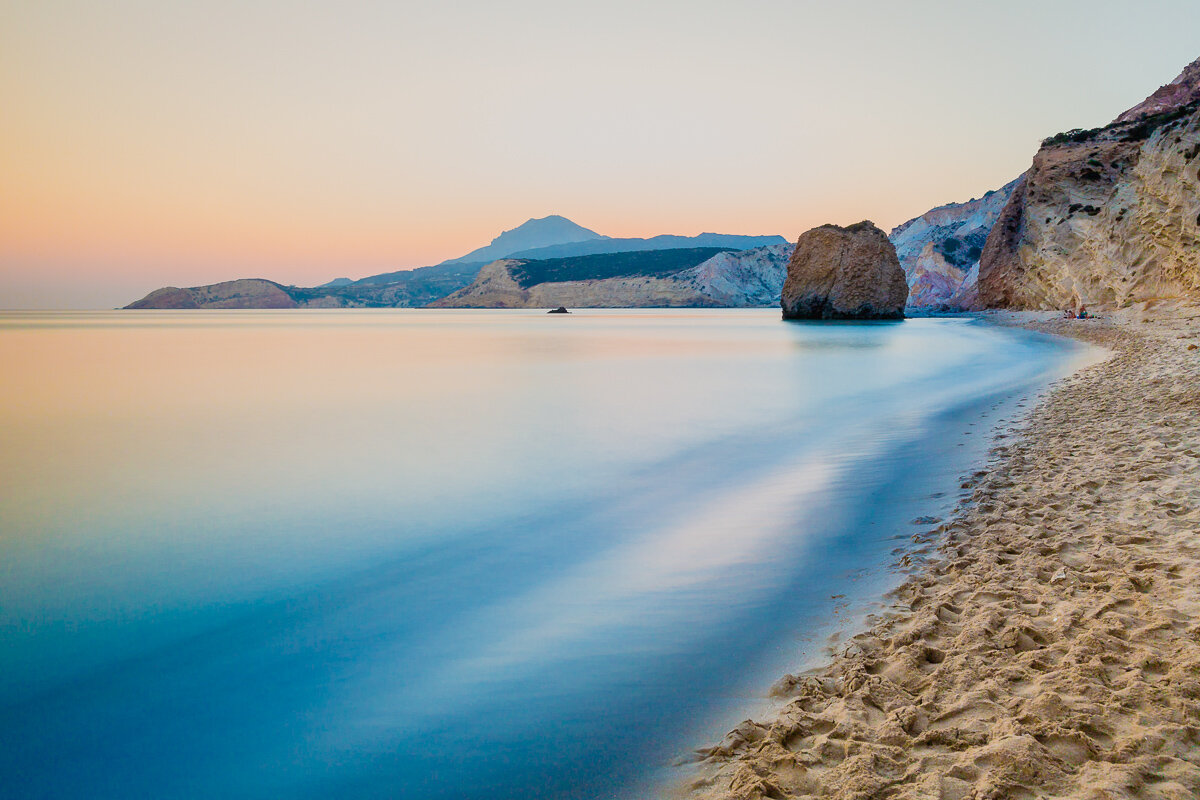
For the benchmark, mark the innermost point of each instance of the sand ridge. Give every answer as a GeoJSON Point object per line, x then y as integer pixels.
{"type": "Point", "coordinates": [1051, 649]}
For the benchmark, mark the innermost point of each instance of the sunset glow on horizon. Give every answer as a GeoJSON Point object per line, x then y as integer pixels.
{"type": "Point", "coordinates": [149, 144]}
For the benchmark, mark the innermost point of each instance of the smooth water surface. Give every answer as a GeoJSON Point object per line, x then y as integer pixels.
{"type": "Point", "coordinates": [436, 554]}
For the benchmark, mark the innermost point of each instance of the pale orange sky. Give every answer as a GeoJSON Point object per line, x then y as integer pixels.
{"type": "Point", "coordinates": [146, 144]}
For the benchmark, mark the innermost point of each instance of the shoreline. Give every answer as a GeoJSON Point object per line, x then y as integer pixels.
{"type": "Point", "coordinates": [1049, 646]}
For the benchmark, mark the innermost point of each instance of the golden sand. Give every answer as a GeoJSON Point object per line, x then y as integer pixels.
{"type": "Point", "coordinates": [1052, 649]}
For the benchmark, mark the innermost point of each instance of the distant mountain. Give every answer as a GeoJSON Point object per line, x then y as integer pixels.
{"type": "Point", "coordinates": [335, 283]}
{"type": "Point", "coordinates": [531, 234]}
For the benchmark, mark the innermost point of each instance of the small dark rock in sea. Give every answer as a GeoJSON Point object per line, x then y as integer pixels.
{"type": "Point", "coordinates": [559, 310]}
{"type": "Point", "coordinates": [926, 520]}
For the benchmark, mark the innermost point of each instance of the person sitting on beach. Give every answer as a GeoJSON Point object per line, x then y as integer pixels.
{"type": "Point", "coordinates": [1083, 314]}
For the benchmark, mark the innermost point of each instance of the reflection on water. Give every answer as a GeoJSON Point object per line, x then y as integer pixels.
{"type": "Point", "coordinates": [429, 554]}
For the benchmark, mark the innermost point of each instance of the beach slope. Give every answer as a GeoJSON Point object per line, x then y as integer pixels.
{"type": "Point", "coordinates": [1052, 649]}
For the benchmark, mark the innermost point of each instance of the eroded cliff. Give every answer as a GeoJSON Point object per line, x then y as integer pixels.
{"type": "Point", "coordinates": [940, 250]}
{"type": "Point", "coordinates": [1104, 217]}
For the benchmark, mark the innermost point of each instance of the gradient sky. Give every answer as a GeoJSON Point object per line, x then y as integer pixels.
{"type": "Point", "coordinates": [156, 143]}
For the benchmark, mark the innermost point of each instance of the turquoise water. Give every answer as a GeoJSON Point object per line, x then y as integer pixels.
{"type": "Point", "coordinates": [442, 554]}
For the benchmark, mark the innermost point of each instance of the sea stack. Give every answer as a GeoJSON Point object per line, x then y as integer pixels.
{"type": "Point", "coordinates": [844, 273]}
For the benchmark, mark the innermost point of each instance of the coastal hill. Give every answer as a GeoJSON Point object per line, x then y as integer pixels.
{"type": "Point", "coordinates": [242, 293]}
{"type": "Point", "coordinates": [677, 277]}
{"type": "Point", "coordinates": [1109, 216]}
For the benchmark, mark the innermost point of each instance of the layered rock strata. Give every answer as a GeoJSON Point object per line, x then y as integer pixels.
{"type": "Point", "coordinates": [940, 250]}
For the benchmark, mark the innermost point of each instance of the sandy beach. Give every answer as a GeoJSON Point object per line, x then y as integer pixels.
{"type": "Point", "coordinates": [1046, 643]}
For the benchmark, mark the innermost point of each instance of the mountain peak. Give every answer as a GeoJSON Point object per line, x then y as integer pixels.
{"type": "Point", "coordinates": [549, 219]}
{"type": "Point", "coordinates": [533, 233]}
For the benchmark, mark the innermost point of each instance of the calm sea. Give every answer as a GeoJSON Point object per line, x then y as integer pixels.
{"type": "Point", "coordinates": [418, 554]}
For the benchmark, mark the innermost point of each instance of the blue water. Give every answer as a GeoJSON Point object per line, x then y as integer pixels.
{"type": "Point", "coordinates": [447, 554]}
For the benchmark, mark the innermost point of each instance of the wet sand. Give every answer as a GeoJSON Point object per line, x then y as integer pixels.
{"type": "Point", "coordinates": [1047, 641]}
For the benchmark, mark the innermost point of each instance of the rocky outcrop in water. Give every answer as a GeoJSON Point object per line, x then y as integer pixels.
{"type": "Point", "coordinates": [844, 273]}
{"type": "Point", "coordinates": [940, 250]}
{"type": "Point", "coordinates": [1104, 217]}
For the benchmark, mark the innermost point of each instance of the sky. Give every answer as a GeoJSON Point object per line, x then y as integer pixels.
{"type": "Point", "coordinates": [146, 144]}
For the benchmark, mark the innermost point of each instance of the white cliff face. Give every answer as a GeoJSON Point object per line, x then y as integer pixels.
{"type": "Point", "coordinates": [743, 279]}
{"type": "Point", "coordinates": [940, 250]}
{"type": "Point", "coordinates": [740, 279]}
{"type": "Point", "coordinates": [1107, 217]}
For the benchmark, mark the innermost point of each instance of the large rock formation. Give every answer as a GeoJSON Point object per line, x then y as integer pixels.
{"type": "Point", "coordinates": [844, 273]}
{"type": "Point", "coordinates": [1109, 216]}
{"type": "Point", "coordinates": [737, 279]}
{"type": "Point", "coordinates": [940, 250]}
